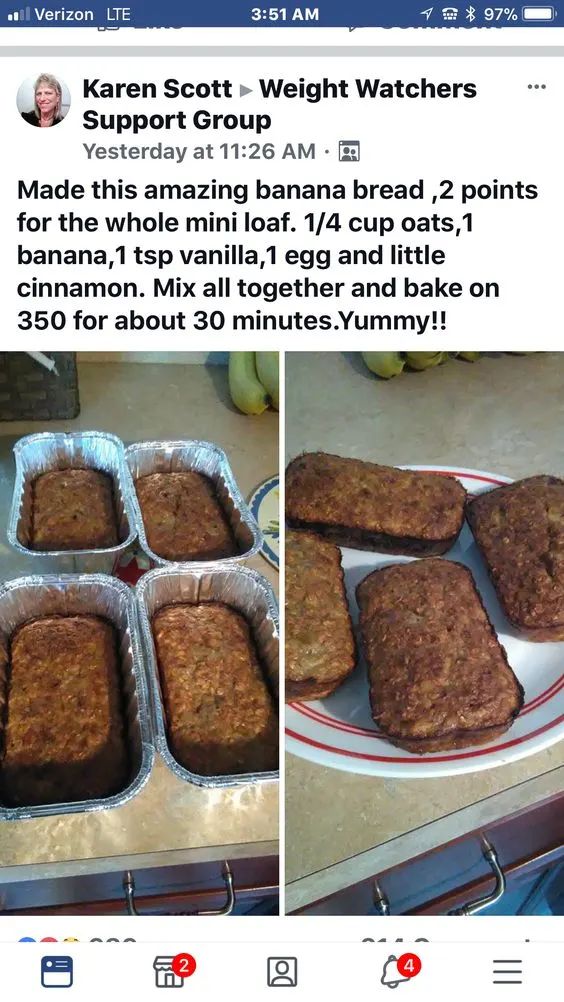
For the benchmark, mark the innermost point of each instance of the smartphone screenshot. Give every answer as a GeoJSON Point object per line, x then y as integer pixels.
{"type": "Point", "coordinates": [281, 568]}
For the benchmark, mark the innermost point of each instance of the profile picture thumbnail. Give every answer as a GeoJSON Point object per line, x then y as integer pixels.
{"type": "Point", "coordinates": [43, 101]}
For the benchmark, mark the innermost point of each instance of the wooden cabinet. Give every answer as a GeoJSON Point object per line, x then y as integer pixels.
{"type": "Point", "coordinates": [446, 879]}
{"type": "Point", "coordinates": [173, 889]}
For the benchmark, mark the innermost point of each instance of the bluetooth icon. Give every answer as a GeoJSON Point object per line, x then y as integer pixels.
{"type": "Point", "coordinates": [470, 14]}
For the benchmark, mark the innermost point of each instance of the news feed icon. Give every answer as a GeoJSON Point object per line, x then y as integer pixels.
{"type": "Point", "coordinates": [349, 150]}
{"type": "Point", "coordinates": [24, 14]}
{"type": "Point", "coordinates": [56, 972]}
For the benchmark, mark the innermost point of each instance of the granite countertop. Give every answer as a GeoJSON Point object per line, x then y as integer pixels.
{"type": "Point", "coordinates": [503, 414]}
{"type": "Point", "coordinates": [168, 817]}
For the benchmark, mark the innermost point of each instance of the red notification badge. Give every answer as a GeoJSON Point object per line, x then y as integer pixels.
{"type": "Point", "coordinates": [409, 965]}
{"type": "Point", "coordinates": [184, 965]}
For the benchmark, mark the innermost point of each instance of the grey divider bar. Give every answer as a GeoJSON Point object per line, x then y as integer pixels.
{"type": "Point", "coordinates": [142, 51]}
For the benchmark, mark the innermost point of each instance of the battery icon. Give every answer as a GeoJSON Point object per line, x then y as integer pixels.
{"type": "Point", "coordinates": [538, 14]}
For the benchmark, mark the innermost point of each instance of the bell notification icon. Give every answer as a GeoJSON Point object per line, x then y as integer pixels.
{"type": "Point", "coordinates": [400, 969]}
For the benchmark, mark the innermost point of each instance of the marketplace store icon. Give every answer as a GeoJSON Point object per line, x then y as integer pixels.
{"type": "Point", "coordinates": [164, 973]}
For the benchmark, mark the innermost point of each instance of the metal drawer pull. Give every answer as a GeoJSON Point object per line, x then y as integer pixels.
{"type": "Point", "coordinates": [474, 907]}
{"type": "Point", "coordinates": [381, 903]}
{"type": "Point", "coordinates": [129, 891]}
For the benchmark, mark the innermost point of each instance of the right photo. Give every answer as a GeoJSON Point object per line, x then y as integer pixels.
{"type": "Point", "coordinates": [424, 633]}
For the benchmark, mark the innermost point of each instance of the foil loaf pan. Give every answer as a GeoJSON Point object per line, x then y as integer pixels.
{"type": "Point", "coordinates": [244, 590]}
{"type": "Point", "coordinates": [45, 451]}
{"type": "Point", "coordinates": [30, 597]}
{"type": "Point", "coordinates": [143, 458]}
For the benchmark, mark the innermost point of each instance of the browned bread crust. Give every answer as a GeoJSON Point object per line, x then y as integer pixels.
{"type": "Point", "coordinates": [183, 517]}
{"type": "Point", "coordinates": [64, 736]}
{"type": "Point", "coordinates": [73, 510]}
{"type": "Point", "coordinates": [439, 678]}
{"type": "Point", "coordinates": [372, 507]}
{"type": "Point", "coordinates": [320, 649]}
{"type": "Point", "coordinates": [519, 529]}
{"type": "Point", "coordinates": [221, 718]}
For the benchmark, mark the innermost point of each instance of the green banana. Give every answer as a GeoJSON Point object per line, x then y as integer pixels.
{"type": "Point", "coordinates": [420, 360]}
{"type": "Point", "coordinates": [268, 372]}
{"type": "Point", "coordinates": [385, 364]}
{"type": "Point", "coordinates": [468, 356]}
{"type": "Point", "coordinates": [247, 393]}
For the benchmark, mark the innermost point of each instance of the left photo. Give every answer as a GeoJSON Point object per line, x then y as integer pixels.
{"type": "Point", "coordinates": [139, 553]}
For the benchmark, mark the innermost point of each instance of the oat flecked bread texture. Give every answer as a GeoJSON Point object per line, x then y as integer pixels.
{"type": "Point", "coordinates": [221, 718]}
{"type": "Point", "coordinates": [64, 738]}
{"type": "Point", "coordinates": [438, 676]}
{"type": "Point", "coordinates": [371, 507]}
{"type": "Point", "coordinates": [519, 529]}
{"type": "Point", "coordinates": [73, 510]}
{"type": "Point", "coordinates": [183, 517]}
{"type": "Point", "coordinates": [320, 649]}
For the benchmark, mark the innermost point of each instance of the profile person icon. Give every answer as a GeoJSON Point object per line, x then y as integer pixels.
{"type": "Point", "coordinates": [349, 153]}
{"type": "Point", "coordinates": [45, 96]}
{"type": "Point", "coordinates": [282, 974]}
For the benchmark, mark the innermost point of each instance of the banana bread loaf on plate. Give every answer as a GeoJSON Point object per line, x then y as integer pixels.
{"type": "Point", "coordinates": [438, 676]}
{"type": "Point", "coordinates": [519, 529]}
{"type": "Point", "coordinates": [64, 737]}
{"type": "Point", "coordinates": [372, 507]}
{"type": "Point", "coordinates": [183, 517]}
{"type": "Point", "coordinates": [221, 718]}
{"type": "Point", "coordinates": [73, 509]}
{"type": "Point", "coordinates": [320, 649]}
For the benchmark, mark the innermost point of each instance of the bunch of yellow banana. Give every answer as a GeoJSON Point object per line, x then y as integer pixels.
{"type": "Point", "coordinates": [387, 364]}
{"type": "Point", "coordinates": [254, 380]}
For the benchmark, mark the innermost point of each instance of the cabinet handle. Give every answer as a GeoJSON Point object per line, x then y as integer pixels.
{"type": "Point", "coordinates": [473, 907]}
{"type": "Point", "coordinates": [381, 903]}
{"type": "Point", "coordinates": [226, 909]}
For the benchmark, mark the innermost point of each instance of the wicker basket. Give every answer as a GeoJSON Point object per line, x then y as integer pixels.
{"type": "Point", "coordinates": [30, 392]}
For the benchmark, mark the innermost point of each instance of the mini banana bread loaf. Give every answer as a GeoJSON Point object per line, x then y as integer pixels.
{"type": "Point", "coordinates": [519, 529]}
{"type": "Point", "coordinates": [439, 678]}
{"type": "Point", "coordinates": [73, 510]}
{"type": "Point", "coordinates": [183, 517]}
{"type": "Point", "coordinates": [371, 507]}
{"type": "Point", "coordinates": [221, 718]}
{"type": "Point", "coordinates": [320, 649]}
{"type": "Point", "coordinates": [64, 738]}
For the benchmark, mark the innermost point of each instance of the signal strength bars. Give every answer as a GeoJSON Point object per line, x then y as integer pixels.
{"type": "Point", "coordinates": [20, 15]}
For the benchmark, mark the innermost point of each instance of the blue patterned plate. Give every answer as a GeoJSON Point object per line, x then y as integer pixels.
{"type": "Point", "coordinates": [265, 507]}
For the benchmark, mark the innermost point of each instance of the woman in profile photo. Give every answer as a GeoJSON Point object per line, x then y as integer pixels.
{"type": "Point", "coordinates": [48, 97]}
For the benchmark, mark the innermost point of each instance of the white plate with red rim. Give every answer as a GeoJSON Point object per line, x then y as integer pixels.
{"type": "Point", "coordinates": [339, 731]}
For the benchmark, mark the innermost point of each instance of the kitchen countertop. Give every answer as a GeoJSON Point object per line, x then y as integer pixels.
{"type": "Point", "coordinates": [169, 821]}
{"type": "Point", "coordinates": [503, 414]}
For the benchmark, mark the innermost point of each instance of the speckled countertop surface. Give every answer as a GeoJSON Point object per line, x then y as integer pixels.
{"type": "Point", "coordinates": [145, 401]}
{"type": "Point", "coordinates": [503, 414]}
